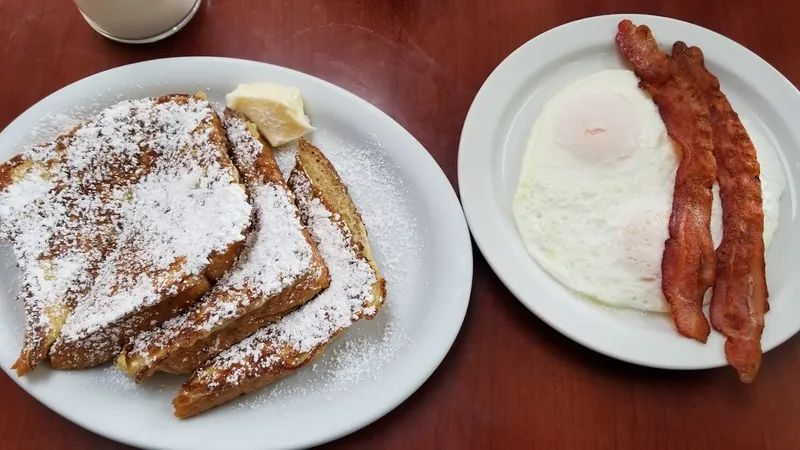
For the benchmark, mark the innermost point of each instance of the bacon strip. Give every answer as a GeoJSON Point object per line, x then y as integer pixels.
{"type": "Point", "coordinates": [687, 265]}
{"type": "Point", "coordinates": [740, 290]}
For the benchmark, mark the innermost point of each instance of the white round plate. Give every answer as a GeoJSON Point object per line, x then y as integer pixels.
{"type": "Point", "coordinates": [417, 230]}
{"type": "Point", "coordinates": [493, 142]}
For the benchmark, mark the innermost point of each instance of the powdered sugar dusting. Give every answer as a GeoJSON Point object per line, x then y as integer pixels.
{"type": "Point", "coordinates": [275, 256]}
{"type": "Point", "coordinates": [380, 195]}
{"type": "Point", "coordinates": [385, 204]}
{"type": "Point", "coordinates": [378, 192]}
{"type": "Point", "coordinates": [285, 156]}
{"type": "Point", "coordinates": [53, 125]}
{"type": "Point", "coordinates": [278, 252]}
{"type": "Point", "coordinates": [319, 320]}
{"type": "Point", "coordinates": [352, 361]}
{"type": "Point", "coordinates": [98, 218]}
{"type": "Point", "coordinates": [355, 361]}
{"type": "Point", "coordinates": [350, 291]}
{"type": "Point", "coordinates": [113, 379]}
{"type": "Point", "coordinates": [11, 315]}
{"type": "Point", "coordinates": [245, 147]}
{"type": "Point", "coordinates": [185, 209]}
{"type": "Point", "coordinates": [397, 243]}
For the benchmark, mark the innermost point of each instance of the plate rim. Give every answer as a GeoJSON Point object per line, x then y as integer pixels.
{"type": "Point", "coordinates": [464, 269]}
{"type": "Point", "coordinates": [476, 216]}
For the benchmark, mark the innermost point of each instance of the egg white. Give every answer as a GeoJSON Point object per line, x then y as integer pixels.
{"type": "Point", "coordinates": [595, 191]}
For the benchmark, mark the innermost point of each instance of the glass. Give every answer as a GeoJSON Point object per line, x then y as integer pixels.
{"type": "Point", "coordinates": [137, 21]}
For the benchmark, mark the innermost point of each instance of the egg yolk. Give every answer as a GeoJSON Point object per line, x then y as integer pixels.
{"type": "Point", "coordinates": [597, 127]}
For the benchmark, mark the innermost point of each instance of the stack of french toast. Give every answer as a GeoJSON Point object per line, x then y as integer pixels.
{"type": "Point", "coordinates": [164, 237]}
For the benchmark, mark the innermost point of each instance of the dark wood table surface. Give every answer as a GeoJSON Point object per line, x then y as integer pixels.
{"type": "Point", "coordinates": [509, 381]}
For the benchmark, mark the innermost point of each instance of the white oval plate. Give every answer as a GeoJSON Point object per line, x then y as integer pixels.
{"type": "Point", "coordinates": [493, 142]}
{"type": "Point", "coordinates": [417, 230]}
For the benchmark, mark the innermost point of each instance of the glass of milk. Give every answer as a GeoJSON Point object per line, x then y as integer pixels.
{"type": "Point", "coordinates": [137, 21]}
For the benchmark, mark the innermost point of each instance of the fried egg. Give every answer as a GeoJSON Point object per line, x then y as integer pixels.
{"type": "Point", "coordinates": [595, 191]}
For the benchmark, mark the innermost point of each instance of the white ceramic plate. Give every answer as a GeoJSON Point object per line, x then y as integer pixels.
{"type": "Point", "coordinates": [493, 142]}
{"type": "Point", "coordinates": [417, 230]}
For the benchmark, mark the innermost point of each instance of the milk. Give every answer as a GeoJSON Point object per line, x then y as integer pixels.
{"type": "Point", "coordinates": [137, 20]}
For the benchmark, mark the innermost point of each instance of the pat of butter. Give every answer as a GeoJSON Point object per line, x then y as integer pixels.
{"type": "Point", "coordinates": [276, 110]}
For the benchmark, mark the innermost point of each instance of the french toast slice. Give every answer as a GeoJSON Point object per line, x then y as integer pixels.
{"type": "Point", "coordinates": [119, 224]}
{"type": "Point", "coordinates": [61, 224]}
{"type": "Point", "coordinates": [278, 270]}
{"type": "Point", "coordinates": [357, 290]}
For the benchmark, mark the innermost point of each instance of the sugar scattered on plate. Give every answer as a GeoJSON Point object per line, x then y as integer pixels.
{"type": "Point", "coordinates": [113, 379]}
{"type": "Point", "coordinates": [361, 358]}
{"type": "Point", "coordinates": [54, 124]}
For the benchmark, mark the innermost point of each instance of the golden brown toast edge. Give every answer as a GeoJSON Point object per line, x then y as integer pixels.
{"type": "Point", "coordinates": [195, 398]}
{"type": "Point", "coordinates": [186, 359]}
{"type": "Point", "coordinates": [189, 353]}
{"type": "Point", "coordinates": [332, 191]}
{"type": "Point", "coordinates": [38, 335]}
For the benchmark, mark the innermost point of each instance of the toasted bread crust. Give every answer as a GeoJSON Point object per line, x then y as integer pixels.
{"type": "Point", "coordinates": [77, 355]}
{"type": "Point", "coordinates": [185, 360]}
{"type": "Point", "coordinates": [37, 340]}
{"type": "Point", "coordinates": [330, 189]}
{"type": "Point", "coordinates": [195, 398]}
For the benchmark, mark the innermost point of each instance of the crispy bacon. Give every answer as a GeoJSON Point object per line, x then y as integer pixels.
{"type": "Point", "coordinates": [740, 294]}
{"type": "Point", "coordinates": [687, 265]}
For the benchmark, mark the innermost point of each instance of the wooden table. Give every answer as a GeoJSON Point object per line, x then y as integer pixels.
{"type": "Point", "coordinates": [510, 381]}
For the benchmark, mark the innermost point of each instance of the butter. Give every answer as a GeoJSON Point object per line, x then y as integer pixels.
{"type": "Point", "coordinates": [276, 110]}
